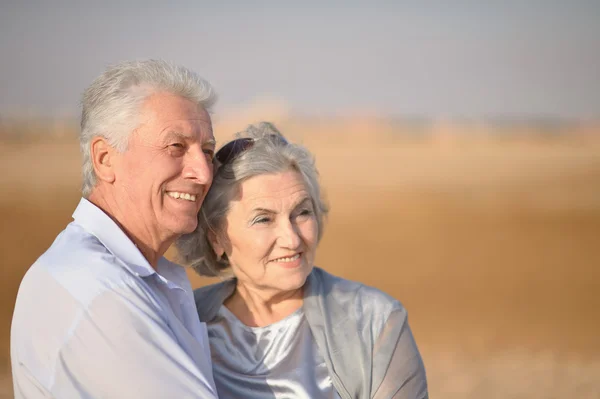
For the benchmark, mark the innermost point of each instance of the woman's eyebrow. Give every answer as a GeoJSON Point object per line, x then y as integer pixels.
{"type": "Point", "coordinates": [260, 209]}
{"type": "Point", "coordinates": [302, 201]}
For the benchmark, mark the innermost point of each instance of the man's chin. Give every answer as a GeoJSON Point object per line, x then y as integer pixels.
{"type": "Point", "coordinates": [188, 227]}
{"type": "Point", "coordinates": [181, 227]}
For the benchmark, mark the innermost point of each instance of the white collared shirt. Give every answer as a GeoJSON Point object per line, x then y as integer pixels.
{"type": "Point", "coordinates": [93, 319]}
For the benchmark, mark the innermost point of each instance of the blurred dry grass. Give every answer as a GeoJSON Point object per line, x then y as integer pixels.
{"type": "Point", "coordinates": [489, 237]}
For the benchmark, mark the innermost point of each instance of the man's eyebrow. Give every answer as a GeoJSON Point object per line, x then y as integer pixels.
{"type": "Point", "coordinates": [171, 134]}
{"type": "Point", "coordinates": [182, 136]}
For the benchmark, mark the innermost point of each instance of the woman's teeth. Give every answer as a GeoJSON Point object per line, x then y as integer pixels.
{"type": "Point", "coordinates": [290, 259]}
{"type": "Point", "coordinates": [183, 196]}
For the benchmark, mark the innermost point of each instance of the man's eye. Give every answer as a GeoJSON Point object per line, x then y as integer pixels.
{"type": "Point", "coordinates": [179, 146]}
{"type": "Point", "coordinates": [210, 153]}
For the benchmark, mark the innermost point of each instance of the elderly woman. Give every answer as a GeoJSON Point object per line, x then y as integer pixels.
{"type": "Point", "coordinates": [281, 327]}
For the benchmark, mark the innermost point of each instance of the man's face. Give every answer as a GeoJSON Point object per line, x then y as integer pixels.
{"type": "Point", "coordinates": [166, 171]}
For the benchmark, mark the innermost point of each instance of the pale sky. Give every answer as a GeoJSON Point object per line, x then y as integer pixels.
{"type": "Point", "coordinates": [423, 58]}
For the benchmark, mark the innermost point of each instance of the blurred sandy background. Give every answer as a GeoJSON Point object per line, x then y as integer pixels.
{"type": "Point", "coordinates": [487, 234]}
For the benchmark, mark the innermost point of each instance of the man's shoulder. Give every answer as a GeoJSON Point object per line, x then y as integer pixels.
{"type": "Point", "coordinates": [79, 264]}
{"type": "Point", "coordinates": [76, 278]}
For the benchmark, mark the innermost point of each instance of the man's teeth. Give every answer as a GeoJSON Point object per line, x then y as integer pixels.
{"type": "Point", "coordinates": [290, 259]}
{"type": "Point", "coordinates": [184, 196]}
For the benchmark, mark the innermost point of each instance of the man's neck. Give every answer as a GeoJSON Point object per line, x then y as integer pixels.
{"type": "Point", "coordinates": [152, 250]}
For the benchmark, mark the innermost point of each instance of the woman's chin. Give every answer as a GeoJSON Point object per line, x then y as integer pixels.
{"type": "Point", "coordinates": [294, 278]}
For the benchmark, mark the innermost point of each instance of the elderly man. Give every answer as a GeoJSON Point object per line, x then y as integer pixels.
{"type": "Point", "coordinates": [102, 314]}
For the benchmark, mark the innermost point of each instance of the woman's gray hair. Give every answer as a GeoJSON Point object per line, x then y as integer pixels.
{"type": "Point", "coordinates": [269, 154]}
{"type": "Point", "coordinates": [111, 104]}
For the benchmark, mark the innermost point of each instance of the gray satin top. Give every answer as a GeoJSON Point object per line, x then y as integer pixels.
{"type": "Point", "coordinates": [361, 332]}
{"type": "Point", "coordinates": [277, 361]}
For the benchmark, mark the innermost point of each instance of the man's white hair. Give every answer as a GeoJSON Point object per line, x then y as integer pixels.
{"type": "Point", "coordinates": [111, 104]}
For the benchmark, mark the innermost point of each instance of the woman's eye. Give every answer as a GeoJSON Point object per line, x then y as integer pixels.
{"type": "Point", "coordinates": [261, 220]}
{"type": "Point", "coordinates": [305, 212]}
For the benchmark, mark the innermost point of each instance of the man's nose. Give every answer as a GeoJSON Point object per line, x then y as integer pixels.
{"type": "Point", "coordinates": [198, 167]}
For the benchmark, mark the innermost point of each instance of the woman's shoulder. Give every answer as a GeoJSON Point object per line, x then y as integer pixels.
{"type": "Point", "coordinates": [334, 284]}
{"type": "Point", "coordinates": [210, 298]}
{"type": "Point", "coordinates": [354, 297]}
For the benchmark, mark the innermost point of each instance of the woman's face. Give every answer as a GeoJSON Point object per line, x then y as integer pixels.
{"type": "Point", "coordinates": [270, 233]}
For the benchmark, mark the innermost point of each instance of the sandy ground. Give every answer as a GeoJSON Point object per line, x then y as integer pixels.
{"type": "Point", "coordinates": [490, 242]}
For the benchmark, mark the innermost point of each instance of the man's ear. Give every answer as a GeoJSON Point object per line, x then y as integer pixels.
{"type": "Point", "coordinates": [102, 154]}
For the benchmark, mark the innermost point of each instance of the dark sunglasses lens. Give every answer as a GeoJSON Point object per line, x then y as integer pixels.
{"type": "Point", "coordinates": [233, 149]}
{"type": "Point", "coordinates": [280, 139]}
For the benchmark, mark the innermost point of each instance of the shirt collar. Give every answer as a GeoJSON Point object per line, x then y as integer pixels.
{"type": "Point", "coordinates": [98, 223]}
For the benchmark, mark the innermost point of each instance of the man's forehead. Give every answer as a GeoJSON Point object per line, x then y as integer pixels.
{"type": "Point", "coordinates": [172, 108]}
{"type": "Point", "coordinates": [205, 124]}
{"type": "Point", "coordinates": [195, 119]}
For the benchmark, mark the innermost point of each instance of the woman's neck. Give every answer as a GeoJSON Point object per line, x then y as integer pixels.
{"type": "Point", "coordinates": [257, 308]}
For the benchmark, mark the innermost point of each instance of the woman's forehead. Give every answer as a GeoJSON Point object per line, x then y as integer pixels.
{"type": "Point", "coordinates": [285, 189]}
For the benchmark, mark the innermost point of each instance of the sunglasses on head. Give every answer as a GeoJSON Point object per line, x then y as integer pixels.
{"type": "Point", "coordinates": [234, 148]}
